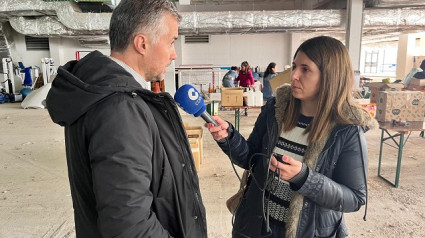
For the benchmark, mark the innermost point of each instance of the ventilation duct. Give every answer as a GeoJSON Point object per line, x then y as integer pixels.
{"type": "Point", "coordinates": [83, 21]}
{"type": "Point", "coordinates": [394, 18]}
{"type": "Point", "coordinates": [42, 26]}
{"type": "Point", "coordinates": [392, 3]}
{"type": "Point", "coordinates": [4, 46]}
{"type": "Point", "coordinates": [48, 26]}
{"type": "Point", "coordinates": [67, 13]}
{"type": "Point", "coordinates": [69, 22]}
{"type": "Point", "coordinates": [95, 43]}
{"type": "Point", "coordinates": [296, 20]}
{"type": "Point", "coordinates": [258, 21]}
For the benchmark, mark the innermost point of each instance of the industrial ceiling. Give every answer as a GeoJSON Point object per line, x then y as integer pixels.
{"type": "Point", "coordinates": [88, 21]}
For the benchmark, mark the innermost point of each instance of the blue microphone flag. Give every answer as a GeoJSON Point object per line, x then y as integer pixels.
{"type": "Point", "coordinates": [188, 98]}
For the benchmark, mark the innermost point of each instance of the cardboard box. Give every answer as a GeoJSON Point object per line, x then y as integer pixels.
{"type": "Point", "coordinates": [231, 97]}
{"type": "Point", "coordinates": [415, 88]}
{"type": "Point", "coordinates": [280, 79]}
{"type": "Point", "coordinates": [194, 134]}
{"type": "Point", "coordinates": [377, 87]}
{"type": "Point", "coordinates": [417, 82]}
{"type": "Point", "coordinates": [400, 105]}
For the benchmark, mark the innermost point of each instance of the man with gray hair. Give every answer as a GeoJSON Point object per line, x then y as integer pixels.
{"type": "Point", "coordinates": [130, 165]}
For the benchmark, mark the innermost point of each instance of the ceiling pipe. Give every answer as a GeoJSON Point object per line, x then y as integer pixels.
{"type": "Point", "coordinates": [67, 13]}
{"type": "Point", "coordinates": [64, 19]}
{"type": "Point", "coordinates": [50, 27]}
{"type": "Point", "coordinates": [258, 21]}
{"type": "Point", "coordinates": [41, 26]}
{"type": "Point", "coordinates": [4, 46]}
{"type": "Point", "coordinates": [392, 3]}
{"type": "Point", "coordinates": [394, 17]}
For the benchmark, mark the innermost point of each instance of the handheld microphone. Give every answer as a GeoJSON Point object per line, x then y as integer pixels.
{"type": "Point", "coordinates": [191, 101]}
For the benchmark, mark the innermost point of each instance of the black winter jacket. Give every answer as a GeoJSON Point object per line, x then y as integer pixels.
{"type": "Point", "coordinates": [336, 181]}
{"type": "Point", "coordinates": [130, 167]}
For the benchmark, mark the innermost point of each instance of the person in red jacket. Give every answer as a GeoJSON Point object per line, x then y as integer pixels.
{"type": "Point", "coordinates": [245, 77]}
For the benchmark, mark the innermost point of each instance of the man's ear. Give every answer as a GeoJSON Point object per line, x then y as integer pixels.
{"type": "Point", "coordinates": [140, 42]}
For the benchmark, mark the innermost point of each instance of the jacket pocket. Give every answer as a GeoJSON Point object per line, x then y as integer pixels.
{"type": "Point", "coordinates": [328, 223]}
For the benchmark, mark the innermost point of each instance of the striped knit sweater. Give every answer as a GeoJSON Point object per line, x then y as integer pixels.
{"type": "Point", "coordinates": [278, 194]}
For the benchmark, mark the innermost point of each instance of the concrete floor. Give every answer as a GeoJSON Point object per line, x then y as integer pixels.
{"type": "Point", "coordinates": [35, 199]}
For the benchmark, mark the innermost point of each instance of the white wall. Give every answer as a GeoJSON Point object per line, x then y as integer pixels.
{"type": "Point", "coordinates": [227, 50]}
{"type": "Point", "coordinates": [28, 58]}
{"type": "Point", "coordinates": [178, 47]}
{"type": "Point", "coordinates": [406, 51]}
{"type": "Point", "coordinates": [223, 50]}
{"type": "Point", "coordinates": [63, 50]}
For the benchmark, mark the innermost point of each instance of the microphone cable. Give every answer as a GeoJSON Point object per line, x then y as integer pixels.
{"type": "Point", "coordinates": [268, 185]}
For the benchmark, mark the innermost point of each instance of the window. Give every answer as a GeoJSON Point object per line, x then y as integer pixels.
{"type": "Point", "coordinates": [371, 62]}
{"type": "Point", "coordinates": [379, 61]}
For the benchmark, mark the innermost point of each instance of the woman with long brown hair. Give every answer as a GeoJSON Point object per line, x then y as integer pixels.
{"type": "Point", "coordinates": [307, 153]}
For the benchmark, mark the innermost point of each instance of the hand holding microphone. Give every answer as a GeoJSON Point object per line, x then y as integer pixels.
{"type": "Point", "coordinates": [220, 132]}
{"type": "Point", "coordinates": [191, 101]}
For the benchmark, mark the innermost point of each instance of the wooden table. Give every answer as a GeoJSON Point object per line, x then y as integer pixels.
{"type": "Point", "coordinates": [400, 132]}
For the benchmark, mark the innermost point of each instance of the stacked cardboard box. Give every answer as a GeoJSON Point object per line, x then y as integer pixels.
{"type": "Point", "coordinates": [416, 84]}
{"type": "Point", "coordinates": [377, 87]}
{"type": "Point", "coordinates": [231, 97]}
{"type": "Point", "coordinates": [400, 105]}
{"type": "Point", "coordinates": [194, 134]}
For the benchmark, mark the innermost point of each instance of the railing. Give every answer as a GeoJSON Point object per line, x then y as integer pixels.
{"type": "Point", "coordinates": [201, 79]}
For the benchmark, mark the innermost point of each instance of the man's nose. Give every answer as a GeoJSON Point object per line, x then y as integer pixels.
{"type": "Point", "coordinates": [173, 55]}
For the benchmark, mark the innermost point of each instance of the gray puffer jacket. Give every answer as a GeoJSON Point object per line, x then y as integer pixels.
{"type": "Point", "coordinates": [336, 181]}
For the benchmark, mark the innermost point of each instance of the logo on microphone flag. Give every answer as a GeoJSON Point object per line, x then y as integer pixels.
{"type": "Point", "coordinates": [193, 95]}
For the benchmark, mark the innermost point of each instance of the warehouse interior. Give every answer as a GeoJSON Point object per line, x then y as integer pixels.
{"type": "Point", "coordinates": [386, 42]}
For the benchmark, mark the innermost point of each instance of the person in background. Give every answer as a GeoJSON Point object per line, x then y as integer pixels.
{"type": "Point", "coordinates": [130, 166]}
{"type": "Point", "coordinates": [421, 75]}
{"type": "Point", "coordinates": [245, 77]}
{"type": "Point", "coordinates": [229, 77]}
{"type": "Point", "coordinates": [267, 88]}
{"type": "Point", "coordinates": [307, 153]}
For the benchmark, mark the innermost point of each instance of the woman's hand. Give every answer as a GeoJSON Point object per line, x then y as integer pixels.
{"type": "Point", "coordinates": [288, 169]}
{"type": "Point", "coordinates": [218, 132]}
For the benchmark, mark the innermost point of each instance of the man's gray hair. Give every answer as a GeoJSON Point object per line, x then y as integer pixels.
{"type": "Point", "coordinates": [132, 17]}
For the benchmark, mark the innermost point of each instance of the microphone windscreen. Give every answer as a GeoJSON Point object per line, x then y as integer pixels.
{"type": "Point", "coordinates": [188, 98]}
